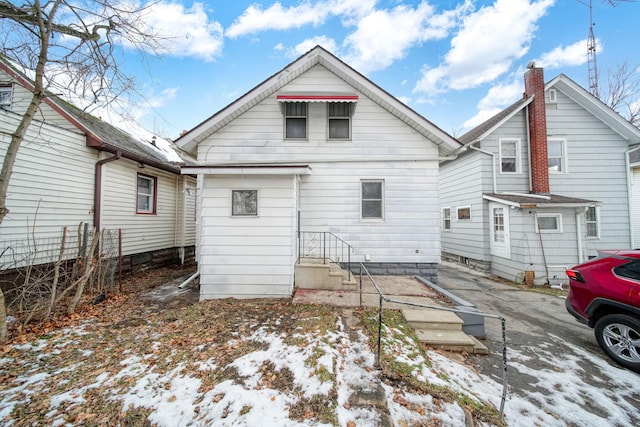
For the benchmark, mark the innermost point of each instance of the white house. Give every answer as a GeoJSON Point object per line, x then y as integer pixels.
{"type": "Point", "coordinates": [73, 168]}
{"type": "Point", "coordinates": [317, 147]}
{"type": "Point", "coordinates": [541, 186]}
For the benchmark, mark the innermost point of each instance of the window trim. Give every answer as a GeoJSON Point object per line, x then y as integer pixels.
{"type": "Point", "coordinates": [9, 89]}
{"type": "Point", "coordinates": [154, 195]}
{"type": "Point", "coordinates": [563, 157]}
{"type": "Point", "coordinates": [596, 222]}
{"type": "Point", "coordinates": [558, 217]}
{"type": "Point", "coordinates": [347, 118]}
{"type": "Point", "coordinates": [382, 200]}
{"type": "Point", "coordinates": [285, 117]}
{"type": "Point", "coordinates": [458, 209]}
{"type": "Point", "coordinates": [445, 218]}
{"type": "Point", "coordinates": [244, 215]}
{"type": "Point", "coordinates": [518, 157]}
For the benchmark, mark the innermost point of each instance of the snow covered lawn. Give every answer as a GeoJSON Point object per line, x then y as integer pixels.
{"type": "Point", "coordinates": [250, 363]}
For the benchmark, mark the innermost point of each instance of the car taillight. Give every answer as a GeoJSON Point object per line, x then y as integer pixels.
{"type": "Point", "coordinates": [575, 275]}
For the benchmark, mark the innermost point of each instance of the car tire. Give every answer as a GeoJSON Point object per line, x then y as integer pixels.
{"type": "Point", "coordinates": [619, 336]}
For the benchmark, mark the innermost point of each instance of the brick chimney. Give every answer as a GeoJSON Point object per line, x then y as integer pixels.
{"type": "Point", "coordinates": [534, 85]}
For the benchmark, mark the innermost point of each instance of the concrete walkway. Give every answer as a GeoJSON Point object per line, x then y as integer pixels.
{"type": "Point", "coordinates": [398, 288]}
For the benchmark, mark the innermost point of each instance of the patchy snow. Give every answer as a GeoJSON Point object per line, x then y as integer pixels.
{"type": "Point", "coordinates": [177, 396]}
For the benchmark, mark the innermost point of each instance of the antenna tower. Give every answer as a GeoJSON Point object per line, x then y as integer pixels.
{"type": "Point", "coordinates": [591, 56]}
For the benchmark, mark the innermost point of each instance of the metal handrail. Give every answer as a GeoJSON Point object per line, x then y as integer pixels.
{"type": "Point", "coordinates": [503, 322]}
{"type": "Point", "coordinates": [324, 245]}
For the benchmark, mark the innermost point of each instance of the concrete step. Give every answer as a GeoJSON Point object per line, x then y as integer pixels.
{"type": "Point", "coordinates": [432, 319]}
{"type": "Point", "coordinates": [447, 340]}
{"type": "Point", "coordinates": [314, 275]}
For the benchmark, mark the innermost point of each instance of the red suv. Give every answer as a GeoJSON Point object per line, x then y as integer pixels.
{"type": "Point", "coordinates": [604, 293]}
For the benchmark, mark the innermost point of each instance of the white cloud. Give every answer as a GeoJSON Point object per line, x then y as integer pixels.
{"type": "Point", "coordinates": [305, 46]}
{"type": "Point", "coordinates": [561, 56]}
{"type": "Point", "coordinates": [497, 98]}
{"type": "Point", "coordinates": [255, 19]}
{"type": "Point", "coordinates": [474, 58]}
{"type": "Point", "coordinates": [378, 42]}
{"type": "Point", "coordinates": [185, 32]}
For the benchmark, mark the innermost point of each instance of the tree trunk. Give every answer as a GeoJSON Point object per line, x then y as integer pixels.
{"type": "Point", "coordinates": [3, 319]}
{"type": "Point", "coordinates": [16, 140]}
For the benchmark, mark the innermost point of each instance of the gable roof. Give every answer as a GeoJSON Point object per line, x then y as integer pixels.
{"type": "Point", "coordinates": [596, 107]}
{"type": "Point", "coordinates": [488, 126]}
{"type": "Point", "coordinates": [318, 55]}
{"type": "Point", "coordinates": [574, 91]}
{"type": "Point", "coordinates": [99, 134]}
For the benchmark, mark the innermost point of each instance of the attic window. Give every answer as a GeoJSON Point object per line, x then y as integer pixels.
{"type": "Point", "coordinates": [552, 96]}
{"type": "Point", "coordinates": [6, 93]}
{"type": "Point", "coordinates": [295, 120]}
{"type": "Point", "coordinates": [339, 120]}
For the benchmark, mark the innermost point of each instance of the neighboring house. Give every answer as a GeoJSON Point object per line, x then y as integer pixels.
{"type": "Point", "coordinates": [317, 147]}
{"type": "Point", "coordinates": [541, 186]}
{"type": "Point", "coordinates": [73, 168]}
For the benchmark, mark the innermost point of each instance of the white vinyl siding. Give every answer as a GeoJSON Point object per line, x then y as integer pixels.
{"type": "Point", "coordinates": [51, 186]}
{"type": "Point", "coordinates": [140, 233]}
{"type": "Point", "coordinates": [330, 201]}
{"type": "Point", "coordinates": [253, 257]}
{"type": "Point", "coordinates": [462, 183]}
{"type": "Point", "coordinates": [597, 170]}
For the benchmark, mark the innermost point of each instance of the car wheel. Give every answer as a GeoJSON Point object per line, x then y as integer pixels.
{"type": "Point", "coordinates": [619, 337]}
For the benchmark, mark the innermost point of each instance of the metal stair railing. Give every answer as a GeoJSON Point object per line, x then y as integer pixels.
{"type": "Point", "coordinates": [326, 246]}
{"type": "Point", "coordinates": [382, 297]}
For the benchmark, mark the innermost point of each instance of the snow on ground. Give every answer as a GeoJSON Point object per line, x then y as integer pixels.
{"type": "Point", "coordinates": [176, 397]}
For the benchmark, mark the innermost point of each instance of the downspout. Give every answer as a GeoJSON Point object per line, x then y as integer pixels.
{"type": "Point", "coordinates": [627, 163]}
{"type": "Point", "coordinates": [579, 235]}
{"type": "Point", "coordinates": [97, 191]}
{"type": "Point", "coordinates": [528, 133]}
{"type": "Point", "coordinates": [493, 165]}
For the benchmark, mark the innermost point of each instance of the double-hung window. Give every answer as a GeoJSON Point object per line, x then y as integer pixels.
{"type": "Point", "coordinates": [593, 231]}
{"type": "Point", "coordinates": [509, 156]}
{"type": "Point", "coordinates": [147, 191]}
{"type": "Point", "coordinates": [339, 114]}
{"type": "Point", "coordinates": [446, 218]}
{"type": "Point", "coordinates": [557, 155]}
{"type": "Point", "coordinates": [6, 94]}
{"type": "Point", "coordinates": [372, 199]}
{"type": "Point", "coordinates": [295, 120]}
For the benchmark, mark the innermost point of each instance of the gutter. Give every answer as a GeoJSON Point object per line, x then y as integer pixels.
{"type": "Point", "coordinates": [97, 189]}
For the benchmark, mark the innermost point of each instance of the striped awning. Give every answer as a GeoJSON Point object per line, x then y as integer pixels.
{"type": "Point", "coordinates": [317, 97]}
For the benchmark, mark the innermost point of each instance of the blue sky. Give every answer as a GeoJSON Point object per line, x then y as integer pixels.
{"type": "Point", "coordinates": [454, 62]}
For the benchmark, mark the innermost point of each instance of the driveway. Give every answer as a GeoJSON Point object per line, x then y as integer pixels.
{"type": "Point", "coordinates": [553, 360]}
